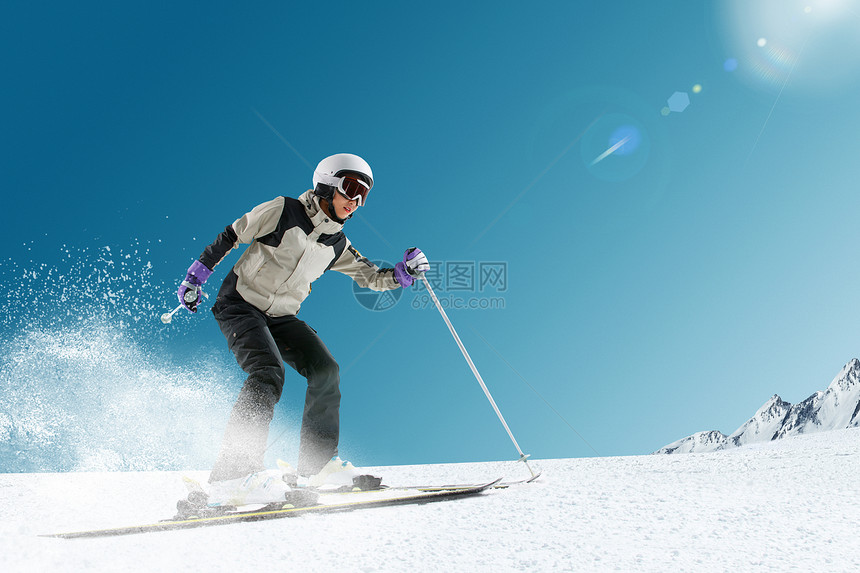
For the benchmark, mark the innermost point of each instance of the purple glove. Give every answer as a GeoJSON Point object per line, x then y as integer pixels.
{"type": "Point", "coordinates": [414, 263]}
{"type": "Point", "coordinates": [190, 291]}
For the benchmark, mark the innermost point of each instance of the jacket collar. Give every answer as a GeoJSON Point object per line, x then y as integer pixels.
{"type": "Point", "coordinates": [323, 224]}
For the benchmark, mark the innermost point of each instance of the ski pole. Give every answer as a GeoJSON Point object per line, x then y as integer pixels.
{"type": "Point", "coordinates": [168, 316]}
{"type": "Point", "coordinates": [523, 457]}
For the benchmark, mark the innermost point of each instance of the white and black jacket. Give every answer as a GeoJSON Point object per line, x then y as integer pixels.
{"type": "Point", "coordinates": [292, 243]}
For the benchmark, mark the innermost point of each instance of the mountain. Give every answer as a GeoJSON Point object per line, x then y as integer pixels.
{"type": "Point", "coordinates": [709, 441]}
{"type": "Point", "coordinates": [836, 408]}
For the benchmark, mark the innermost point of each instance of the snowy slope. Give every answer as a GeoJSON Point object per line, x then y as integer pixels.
{"type": "Point", "coordinates": [836, 408]}
{"type": "Point", "coordinates": [766, 507]}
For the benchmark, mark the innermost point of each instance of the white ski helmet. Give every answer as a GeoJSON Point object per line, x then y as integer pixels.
{"type": "Point", "coordinates": [330, 169]}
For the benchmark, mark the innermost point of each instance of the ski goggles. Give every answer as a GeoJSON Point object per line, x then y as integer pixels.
{"type": "Point", "coordinates": [353, 189]}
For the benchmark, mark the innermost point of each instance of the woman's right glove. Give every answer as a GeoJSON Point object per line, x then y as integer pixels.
{"type": "Point", "coordinates": [414, 263]}
{"type": "Point", "coordinates": [191, 290]}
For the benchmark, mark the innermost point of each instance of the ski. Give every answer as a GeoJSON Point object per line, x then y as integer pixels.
{"type": "Point", "coordinates": [197, 494]}
{"type": "Point", "coordinates": [498, 485]}
{"type": "Point", "coordinates": [195, 506]}
{"type": "Point", "coordinates": [361, 487]}
{"type": "Point", "coordinates": [357, 488]}
{"type": "Point", "coordinates": [277, 511]}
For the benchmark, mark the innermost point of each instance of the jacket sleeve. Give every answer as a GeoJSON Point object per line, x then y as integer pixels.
{"type": "Point", "coordinates": [263, 219]}
{"type": "Point", "coordinates": [363, 272]}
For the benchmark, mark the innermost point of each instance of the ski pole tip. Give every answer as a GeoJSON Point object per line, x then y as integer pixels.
{"type": "Point", "coordinates": [525, 459]}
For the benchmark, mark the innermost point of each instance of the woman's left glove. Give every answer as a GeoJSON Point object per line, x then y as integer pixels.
{"type": "Point", "coordinates": [191, 290]}
{"type": "Point", "coordinates": [414, 263]}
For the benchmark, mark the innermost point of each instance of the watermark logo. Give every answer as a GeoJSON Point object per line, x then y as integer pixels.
{"type": "Point", "coordinates": [377, 301]}
{"type": "Point", "coordinates": [467, 276]}
{"type": "Point", "coordinates": [460, 285]}
{"type": "Point", "coordinates": [464, 285]}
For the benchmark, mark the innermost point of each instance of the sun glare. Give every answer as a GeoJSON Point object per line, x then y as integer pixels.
{"type": "Point", "coordinates": [775, 41]}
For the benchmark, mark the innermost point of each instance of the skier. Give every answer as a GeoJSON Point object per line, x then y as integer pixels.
{"type": "Point", "coordinates": [292, 243]}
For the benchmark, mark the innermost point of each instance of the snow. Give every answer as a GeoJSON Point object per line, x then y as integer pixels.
{"type": "Point", "coordinates": [774, 506]}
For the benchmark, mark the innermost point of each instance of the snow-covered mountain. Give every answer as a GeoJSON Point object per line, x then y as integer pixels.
{"type": "Point", "coordinates": [836, 408]}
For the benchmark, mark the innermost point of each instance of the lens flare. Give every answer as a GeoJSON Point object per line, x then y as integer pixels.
{"type": "Point", "coordinates": [678, 102]}
{"type": "Point", "coordinates": [608, 152]}
{"type": "Point", "coordinates": [812, 43]}
{"type": "Point", "coordinates": [617, 137]}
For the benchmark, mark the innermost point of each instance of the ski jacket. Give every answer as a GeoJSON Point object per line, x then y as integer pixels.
{"type": "Point", "coordinates": [292, 243]}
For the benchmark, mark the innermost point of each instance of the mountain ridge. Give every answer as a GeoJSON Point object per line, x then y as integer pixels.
{"type": "Point", "coordinates": [837, 407]}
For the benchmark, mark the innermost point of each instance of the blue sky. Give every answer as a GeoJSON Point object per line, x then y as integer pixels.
{"type": "Point", "coordinates": [669, 286]}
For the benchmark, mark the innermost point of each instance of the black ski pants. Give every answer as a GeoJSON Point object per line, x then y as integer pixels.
{"type": "Point", "coordinates": [261, 345]}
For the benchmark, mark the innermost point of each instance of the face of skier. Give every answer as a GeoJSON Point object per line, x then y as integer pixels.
{"type": "Point", "coordinates": [343, 207]}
